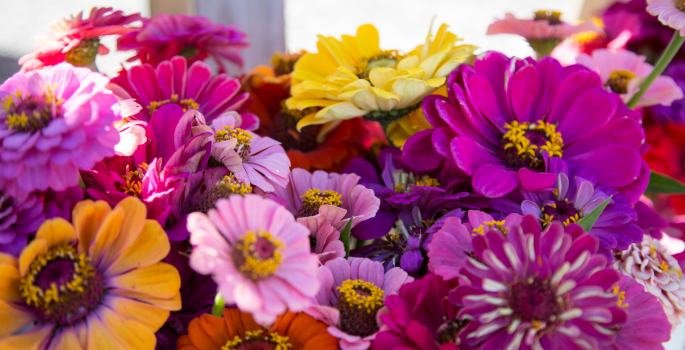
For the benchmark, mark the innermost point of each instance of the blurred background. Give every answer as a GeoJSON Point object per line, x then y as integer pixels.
{"type": "Point", "coordinates": [279, 25]}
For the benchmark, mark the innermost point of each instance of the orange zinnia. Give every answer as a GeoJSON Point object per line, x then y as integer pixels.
{"type": "Point", "coordinates": [237, 331]}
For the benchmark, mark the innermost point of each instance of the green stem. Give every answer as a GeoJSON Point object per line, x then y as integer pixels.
{"type": "Point", "coordinates": [218, 308]}
{"type": "Point", "coordinates": [661, 64]}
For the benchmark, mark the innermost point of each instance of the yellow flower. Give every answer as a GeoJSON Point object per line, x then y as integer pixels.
{"type": "Point", "coordinates": [402, 129]}
{"type": "Point", "coordinates": [353, 77]}
{"type": "Point", "coordinates": [95, 284]}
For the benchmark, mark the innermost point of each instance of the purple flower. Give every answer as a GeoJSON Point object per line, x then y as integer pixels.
{"type": "Point", "coordinates": [420, 317]}
{"type": "Point", "coordinates": [675, 113]}
{"type": "Point", "coordinates": [61, 204]}
{"type": "Point", "coordinates": [537, 289]}
{"type": "Point", "coordinates": [505, 118]}
{"type": "Point", "coordinates": [19, 217]}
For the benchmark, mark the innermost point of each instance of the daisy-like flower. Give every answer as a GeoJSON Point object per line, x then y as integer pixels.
{"type": "Point", "coordinates": [650, 265]}
{"type": "Point", "coordinates": [353, 77]}
{"type": "Point", "coordinates": [647, 326]}
{"type": "Point", "coordinates": [544, 32]}
{"type": "Point", "coordinates": [54, 122]}
{"type": "Point", "coordinates": [19, 217]}
{"type": "Point", "coordinates": [624, 71]}
{"type": "Point", "coordinates": [237, 330]}
{"type": "Point", "coordinates": [670, 12]}
{"type": "Point", "coordinates": [352, 292]}
{"type": "Point", "coordinates": [674, 114]}
{"type": "Point", "coordinates": [91, 284]}
{"type": "Point", "coordinates": [257, 254]}
{"type": "Point", "coordinates": [420, 317]}
{"type": "Point", "coordinates": [76, 40]}
{"type": "Point", "coordinates": [535, 289]}
{"type": "Point", "coordinates": [194, 37]}
{"type": "Point", "coordinates": [132, 130]}
{"type": "Point", "coordinates": [503, 137]}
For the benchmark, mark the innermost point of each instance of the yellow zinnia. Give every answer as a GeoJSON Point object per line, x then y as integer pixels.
{"type": "Point", "coordinates": [353, 77]}
{"type": "Point", "coordinates": [96, 284]}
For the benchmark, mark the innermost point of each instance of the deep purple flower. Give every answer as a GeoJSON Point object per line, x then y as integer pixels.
{"type": "Point", "coordinates": [19, 217]}
{"type": "Point", "coordinates": [537, 289]}
{"type": "Point", "coordinates": [506, 117]}
{"type": "Point", "coordinates": [649, 219]}
{"type": "Point", "coordinates": [420, 317]}
{"type": "Point", "coordinates": [61, 204]}
{"type": "Point", "coordinates": [675, 113]}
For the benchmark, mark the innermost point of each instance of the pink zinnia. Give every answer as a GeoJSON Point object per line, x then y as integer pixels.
{"type": "Point", "coordinates": [352, 292]}
{"type": "Point", "coordinates": [131, 131]}
{"type": "Point", "coordinates": [545, 25]}
{"type": "Point", "coordinates": [624, 71]}
{"type": "Point", "coordinates": [75, 40]}
{"type": "Point", "coordinates": [54, 122]}
{"type": "Point", "coordinates": [195, 37]}
{"type": "Point", "coordinates": [670, 12]}
{"type": "Point", "coordinates": [257, 254]}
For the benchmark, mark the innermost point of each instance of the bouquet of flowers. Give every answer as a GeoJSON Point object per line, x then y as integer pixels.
{"type": "Point", "coordinates": [357, 197]}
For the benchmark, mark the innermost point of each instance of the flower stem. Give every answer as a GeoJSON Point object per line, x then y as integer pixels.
{"type": "Point", "coordinates": [661, 64]}
{"type": "Point", "coordinates": [218, 308]}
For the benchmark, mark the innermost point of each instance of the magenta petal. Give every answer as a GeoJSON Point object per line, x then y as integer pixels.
{"type": "Point", "coordinates": [525, 87]}
{"type": "Point", "coordinates": [492, 182]}
{"type": "Point", "coordinates": [419, 151]}
{"type": "Point", "coordinates": [533, 181]}
{"type": "Point", "coordinates": [469, 156]}
{"type": "Point", "coordinates": [613, 165]}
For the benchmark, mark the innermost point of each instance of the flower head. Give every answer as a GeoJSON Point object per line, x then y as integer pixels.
{"type": "Point", "coordinates": [19, 217]}
{"type": "Point", "coordinates": [670, 12]}
{"type": "Point", "coordinates": [54, 122]}
{"type": "Point", "coordinates": [76, 40]}
{"type": "Point", "coordinates": [675, 113]}
{"type": "Point", "coordinates": [90, 278]}
{"type": "Point", "coordinates": [533, 289]}
{"type": "Point", "coordinates": [258, 255]}
{"type": "Point", "coordinates": [194, 37]}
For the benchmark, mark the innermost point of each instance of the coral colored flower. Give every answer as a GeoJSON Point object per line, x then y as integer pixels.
{"type": "Point", "coordinates": [19, 217]}
{"type": "Point", "coordinates": [503, 137]}
{"type": "Point", "coordinates": [194, 37]}
{"type": "Point", "coordinates": [650, 265]}
{"type": "Point", "coordinates": [623, 72]}
{"type": "Point", "coordinates": [352, 292]}
{"type": "Point", "coordinates": [76, 40]}
{"type": "Point", "coordinates": [675, 113]}
{"type": "Point", "coordinates": [173, 82]}
{"type": "Point", "coordinates": [420, 317]}
{"type": "Point", "coordinates": [257, 254]}
{"type": "Point", "coordinates": [647, 326]}
{"type": "Point", "coordinates": [533, 289]}
{"type": "Point", "coordinates": [54, 122]}
{"type": "Point", "coordinates": [238, 330]}
{"type": "Point", "coordinates": [670, 12]}
{"type": "Point", "coordinates": [90, 285]}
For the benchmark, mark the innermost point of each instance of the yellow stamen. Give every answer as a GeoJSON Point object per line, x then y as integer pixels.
{"type": "Point", "coordinates": [234, 186]}
{"type": "Point", "coordinates": [516, 135]}
{"type": "Point", "coordinates": [315, 198]}
{"type": "Point", "coordinates": [185, 104]}
{"type": "Point", "coordinates": [619, 79]}
{"type": "Point", "coordinates": [252, 265]}
{"type": "Point", "coordinates": [547, 219]}
{"type": "Point", "coordinates": [621, 298]}
{"type": "Point", "coordinates": [280, 342]}
{"type": "Point", "coordinates": [348, 294]}
{"type": "Point", "coordinates": [229, 132]}
{"type": "Point", "coordinates": [490, 225]}
{"type": "Point", "coordinates": [553, 17]}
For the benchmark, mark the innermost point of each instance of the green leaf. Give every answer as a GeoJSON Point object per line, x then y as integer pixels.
{"type": "Point", "coordinates": [218, 308]}
{"type": "Point", "coordinates": [660, 183]}
{"type": "Point", "coordinates": [345, 237]}
{"type": "Point", "coordinates": [589, 220]}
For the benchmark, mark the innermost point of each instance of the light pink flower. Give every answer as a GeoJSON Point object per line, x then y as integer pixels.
{"type": "Point", "coordinates": [131, 132]}
{"type": "Point", "coordinates": [670, 12]}
{"type": "Point", "coordinates": [355, 326]}
{"type": "Point", "coordinates": [257, 254]}
{"type": "Point", "coordinates": [567, 52]}
{"type": "Point", "coordinates": [54, 122]}
{"type": "Point", "coordinates": [539, 29]}
{"type": "Point", "coordinates": [624, 71]}
{"type": "Point", "coordinates": [68, 34]}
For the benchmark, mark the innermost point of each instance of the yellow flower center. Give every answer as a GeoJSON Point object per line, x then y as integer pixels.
{"type": "Point", "coordinates": [499, 225]}
{"type": "Point", "coordinates": [553, 17]}
{"type": "Point", "coordinates": [31, 113]}
{"type": "Point", "coordinates": [255, 340]}
{"type": "Point", "coordinates": [243, 137]}
{"type": "Point", "coordinates": [619, 79]}
{"type": "Point", "coordinates": [258, 255]}
{"type": "Point", "coordinates": [680, 5]}
{"type": "Point", "coordinates": [361, 295]}
{"type": "Point", "coordinates": [524, 142]}
{"type": "Point", "coordinates": [185, 104]}
{"type": "Point", "coordinates": [285, 63]}
{"type": "Point", "coordinates": [560, 210]}
{"type": "Point", "coordinates": [315, 198]}
{"type": "Point", "coordinates": [84, 53]}
{"type": "Point", "coordinates": [133, 181]}
{"type": "Point", "coordinates": [386, 58]}
{"type": "Point", "coordinates": [621, 298]}
{"type": "Point", "coordinates": [403, 181]}
{"type": "Point", "coordinates": [224, 188]}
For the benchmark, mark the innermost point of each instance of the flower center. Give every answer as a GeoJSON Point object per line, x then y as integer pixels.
{"type": "Point", "coordinates": [244, 138]}
{"type": "Point", "coordinates": [358, 304]}
{"type": "Point", "coordinates": [523, 143]}
{"type": "Point", "coordinates": [552, 17]}
{"type": "Point", "coordinates": [256, 341]}
{"type": "Point", "coordinates": [84, 53]}
{"type": "Point", "coordinates": [61, 286]}
{"type": "Point", "coordinates": [621, 297]}
{"type": "Point", "coordinates": [534, 301]}
{"type": "Point", "coordinates": [315, 198]}
{"type": "Point", "coordinates": [225, 187]}
{"type": "Point", "coordinates": [680, 5]}
{"type": "Point", "coordinates": [31, 113]}
{"type": "Point", "coordinates": [133, 181]}
{"type": "Point", "coordinates": [284, 130]}
{"type": "Point", "coordinates": [185, 104]}
{"type": "Point", "coordinates": [403, 181]}
{"type": "Point", "coordinates": [258, 255]}
{"type": "Point", "coordinates": [498, 225]}
{"type": "Point", "coordinates": [619, 79]}
{"type": "Point", "coordinates": [561, 210]}
{"type": "Point", "coordinates": [388, 58]}
{"type": "Point", "coordinates": [189, 52]}
{"type": "Point", "coordinates": [449, 331]}
{"type": "Point", "coordinates": [285, 63]}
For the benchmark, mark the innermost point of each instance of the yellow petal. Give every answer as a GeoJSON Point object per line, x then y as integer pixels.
{"type": "Point", "coordinates": [364, 99]}
{"type": "Point", "coordinates": [435, 82]}
{"type": "Point", "coordinates": [106, 235]}
{"type": "Point", "coordinates": [353, 46]}
{"type": "Point", "coordinates": [386, 100]}
{"type": "Point", "coordinates": [410, 91]}
{"type": "Point", "coordinates": [8, 259]}
{"type": "Point", "coordinates": [66, 339]}
{"type": "Point", "coordinates": [161, 280]}
{"type": "Point", "coordinates": [151, 247]}
{"type": "Point", "coordinates": [148, 315]}
{"type": "Point", "coordinates": [315, 103]}
{"type": "Point", "coordinates": [108, 330]}
{"type": "Point", "coordinates": [379, 76]}
{"type": "Point", "coordinates": [333, 48]}
{"type": "Point", "coordinates": [13, 318]}
{"type": "Point", "coordinates": [356, 85]}
{"type": "Point", "coordinates": [132, 225]}
{"type": "Point", "coordinates": [34, 339]}
{"type": "Point", "coordinates": [56, 232]}
{"type": "Point", "coordinates": [37, 247]}
{"type": "Point", "coordinates": [343, 110]}
{"type": "Point", "coordinates": [171, 304]}
{"type": "Point", "coordinates": [310, 119]}
{"type": "Point", "coordinates": [431, 64]}
{"type": "Point", "coordinates": [87, 218]}
{"type": "Point", "coordinates": [9, 283]}
{"type": "Point", "coordinates": [367, 37]}
{"type": "Point", "coordinates": [315, 64]}
{"type": "Point", "coordinates": [417, 73]}
{"type": "Point", "coordinates": [412, 61]}
{"type": "Point", "coordinates": [446, 69]}
{"type": "Point", "coordinates": [347, 73]}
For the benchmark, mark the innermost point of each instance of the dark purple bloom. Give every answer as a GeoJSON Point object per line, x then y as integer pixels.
{"type": "Point", "coordinates": [61, 204]}
{"type": "Point", "coordinates": [505, 118]}
{"type": "Point", "coordinates": [19, 217]}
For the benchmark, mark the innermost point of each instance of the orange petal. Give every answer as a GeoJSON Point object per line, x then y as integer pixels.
{"type": "Point", "coordinates": [184, 343]}
{"type": "Point", "coordinates": [161, 280]}
{"type": "Point", "coordinates": [9, 283]}
{"type": "Point", "coordinates": [36, 247]}
{"type": "Point", "coordinates": [8, 259]}
{"type": "Point", "coordinates": [131, 227]}
{"type": "Point", "coordinates": [13, 319]}
{"type": "Point", "coordinates": [209, 332]}
{"type": "Point", "coordinates": [34, 339]}
{"type": "Point", "coordinates": [130, 334]}
{"type": "Point", "coordinates": [151, 247]}
{"type": "Point", "coordinates": [146, 314]}
{"type": "Point", "coordinates": [66, 339]}
{"type": "Point", "coordinates": [171, 304]}
{"type": "Point", "coordinates": [105, 237]}
{"type": "Point", "coordinates": [87, 217]}
{"type": "Point", "coordinates": [239, 322]}
{"type": "Point", "coordinates": [56, 232]}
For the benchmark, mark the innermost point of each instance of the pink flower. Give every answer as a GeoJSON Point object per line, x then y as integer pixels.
{"type": "Point", "coordinates": [54, 122]}
{"type": "Point", "coordinates": [352, 316]}
{"type": "Point", "coordinates": [75, 40]}
{"type": "Point", "coordinates": [257, 254]}
{"type": "Point", "coordinates": [131, 132]}
{"type": "Point", "coordinates": [194, 37]}
{"type": "Point", "coordinates": [545, 25]}
{"type": "Point", "coordinates": [624, 71]}
{"type": "Point", "coordinates": [670, 12]}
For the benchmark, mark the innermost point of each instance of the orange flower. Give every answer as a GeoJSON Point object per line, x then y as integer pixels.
{"type": "Point", "coordinates": [96, 284]}
{"type": "Point", "coordinates": [237, 330]}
